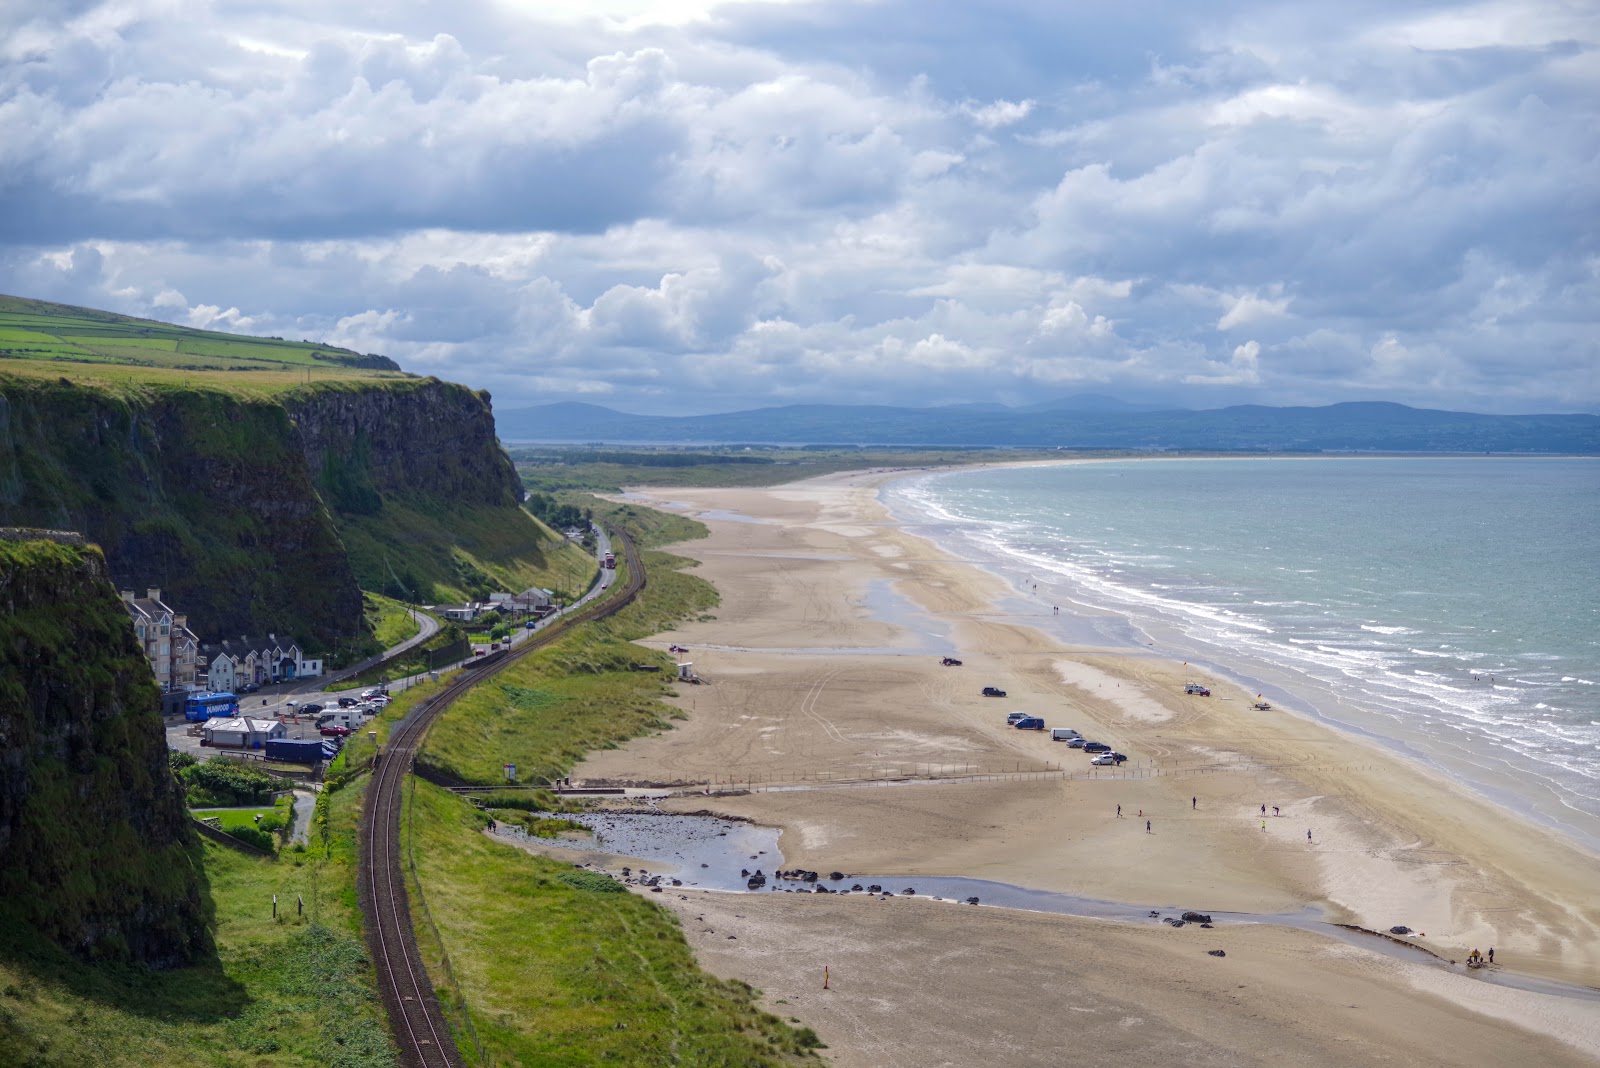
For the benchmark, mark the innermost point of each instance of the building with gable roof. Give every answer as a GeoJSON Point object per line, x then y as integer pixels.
{"type": "Point", "coordinates": [171, 647]}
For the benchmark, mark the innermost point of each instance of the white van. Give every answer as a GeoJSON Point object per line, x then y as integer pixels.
{"type": "Point", "coordinates": [1063, 734]}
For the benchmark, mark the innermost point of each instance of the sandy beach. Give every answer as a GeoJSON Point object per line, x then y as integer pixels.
{"type": "Point", "coordinates": [822, 668]}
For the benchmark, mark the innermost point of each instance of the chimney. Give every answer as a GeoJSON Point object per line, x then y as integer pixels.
{"type": "Point", "coordinates": [127, 595]}
{"type": "Point", "coordinates": [154, 593]}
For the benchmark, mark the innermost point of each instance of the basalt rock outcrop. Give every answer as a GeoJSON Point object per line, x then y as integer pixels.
{"type": "Point", "coordinates": [97, 852]}
{"type": "Point", "coordinates": [259, 512]}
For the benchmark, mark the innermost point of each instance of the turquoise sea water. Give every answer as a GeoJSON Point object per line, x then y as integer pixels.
{"type": "Point", "coordinates": [1448, 606]}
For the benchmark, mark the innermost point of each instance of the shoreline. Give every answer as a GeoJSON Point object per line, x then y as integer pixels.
{"type": "Point", "coordinates": [1312, 700]}
{"type": "Point", "coordinates": [1391, 846]}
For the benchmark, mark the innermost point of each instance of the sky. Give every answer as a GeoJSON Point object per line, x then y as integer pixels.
{"type": "Point", "coordinates": [683, 206]}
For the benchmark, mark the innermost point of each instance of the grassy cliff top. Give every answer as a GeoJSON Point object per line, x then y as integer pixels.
{"type": "Point", "coordinates": [41, 339]}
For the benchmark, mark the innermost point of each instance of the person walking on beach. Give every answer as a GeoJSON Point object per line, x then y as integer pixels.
{"type": "Point", "coordinates": [1119, 812]}
{"type": "Point", "coordinates": [1491, 954]}
{"type": "Point", "coordinates": [1308, 834]}
{"type": "Point", "coordinates": [1147, 829]}
{"type": "Point", "coordinates": [1263, 810]}
{"type": "Point", "coordinates": [1263, 825]}
{"type": "Point", "coordinates": [1194, 803]}
{"type": "Point", "coordinates": [1275, 810]}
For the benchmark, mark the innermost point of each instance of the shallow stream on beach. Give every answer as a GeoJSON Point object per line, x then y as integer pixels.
{"type": "Point", "coordinates": [713, 853]}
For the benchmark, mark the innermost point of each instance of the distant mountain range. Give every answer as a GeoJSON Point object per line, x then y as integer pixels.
{"type": "Point", "coordinates": [1085, 422]}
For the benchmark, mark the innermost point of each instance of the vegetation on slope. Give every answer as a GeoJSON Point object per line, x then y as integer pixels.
{"type": "Point", "coordinates": [96, 850]}
{"type": "Point", "coordinates": [292, 992]}
{"type": "Point", "coordinates": [428, 552]}
{"type": "Point", "coordinates": [557, 970]}
{"type": "Point", "coordinates": [546, 710]}
{"type": "Point", "coordinates": [39, 330]}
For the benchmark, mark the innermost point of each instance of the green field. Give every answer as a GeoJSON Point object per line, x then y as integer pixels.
{"type": "Point", "coordinates": [60, 336]}
{"type": "Point", "coordinates": [557, 967]}
{"type": "Point", "coordinates": [290, 992]}
{"type": "Point", "coordinates": [560, 470]}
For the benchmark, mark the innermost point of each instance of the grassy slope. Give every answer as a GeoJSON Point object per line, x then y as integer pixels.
{"type": "Point", "coordinates": [295, 992]}
{"type": "Point", "coordinates": [548, 709]}
{"type": "Point", "coordinates": [557, 973]}
{"type": "Point", "coordinates": [415, 544]}
{"type": "Point", "coordinates": [61, 335]}
{"type": "Point", "coordinates": [391, 621]}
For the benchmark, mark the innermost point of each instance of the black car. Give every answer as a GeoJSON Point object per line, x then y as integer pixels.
{"type": "Point", "coordinates": [1096, 747]}
{"type": "Point", "coordinates": [310, 710]}
{"type": "Point", "coordinates": [993, 691]}
{"type": "Point", "coordinates": [249, 687]}
{"type": "Point", "coordinates": [348, 702]}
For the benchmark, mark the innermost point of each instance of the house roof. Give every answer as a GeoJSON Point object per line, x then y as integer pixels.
{"type": "Point", "coordinates": [243, 725]}
{"type": "Point", "coordinates": [243, 646]}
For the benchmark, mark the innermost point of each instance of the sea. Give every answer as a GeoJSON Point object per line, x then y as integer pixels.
{"type": "Point", "coordinates": [1446, 607]}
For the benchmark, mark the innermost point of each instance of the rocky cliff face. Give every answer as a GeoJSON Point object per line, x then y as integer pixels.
{"type": "Point", "coordinates": [96, 849]}
{"type": "Point", "coordinates": [417, 437]}
{"type": "Point", "coordinates": [202, 493]}
{"type": "Point", "coordinates": [241, 508]}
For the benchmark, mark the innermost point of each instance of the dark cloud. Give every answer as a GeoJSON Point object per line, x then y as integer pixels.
{"type": "Point", "coordinates": [918, 203]}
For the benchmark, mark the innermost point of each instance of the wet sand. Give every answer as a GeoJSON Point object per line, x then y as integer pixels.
{"type": "Point", "coordinates": [823, 668]}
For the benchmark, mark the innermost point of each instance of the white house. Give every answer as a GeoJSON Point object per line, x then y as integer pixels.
{"type": "Point", "coordinates": [241, 733]}
{"type": "Point", "coordinates": [234, 662]}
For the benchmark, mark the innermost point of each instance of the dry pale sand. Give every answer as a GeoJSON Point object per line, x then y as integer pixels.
{"type": "Point", "coordinates": [822, 668]}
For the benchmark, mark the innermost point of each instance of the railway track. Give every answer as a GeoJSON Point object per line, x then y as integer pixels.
{"type": "Point", "coordinates": [418, 1025]}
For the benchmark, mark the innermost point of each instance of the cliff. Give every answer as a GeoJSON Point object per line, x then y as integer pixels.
{"type": "Point", "coordinates": [202, 492]}
{"type": "Point", "coordinates": [267, 512]}
{"type": "Point", "coordinates": [419, 437]}
{"type": "Point", "coordinates": [96, 849]}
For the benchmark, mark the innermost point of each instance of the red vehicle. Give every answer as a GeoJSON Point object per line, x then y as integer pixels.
{"type": "Point", "coordinates": [611, 560]}
{"type": "Point", "coordinates": [333, 730]}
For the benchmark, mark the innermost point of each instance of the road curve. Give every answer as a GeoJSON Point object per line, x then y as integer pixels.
{"type": "Point", "coordinates": [419, 1028]}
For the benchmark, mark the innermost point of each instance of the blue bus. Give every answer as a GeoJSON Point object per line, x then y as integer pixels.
{"type": "Point", "coordinates": [203, 706]}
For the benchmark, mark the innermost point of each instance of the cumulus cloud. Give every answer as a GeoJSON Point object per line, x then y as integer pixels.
{"type": "Point", "coordinates": [685, 205]}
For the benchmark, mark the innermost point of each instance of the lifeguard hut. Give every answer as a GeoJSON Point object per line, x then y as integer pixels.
{"type": "Point", "coordinates": [686, 671]}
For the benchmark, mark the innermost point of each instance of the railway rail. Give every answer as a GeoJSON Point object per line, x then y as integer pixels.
{"type": "Point", "coordinates": [420, 1031]}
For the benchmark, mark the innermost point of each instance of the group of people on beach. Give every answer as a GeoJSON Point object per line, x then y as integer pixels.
{"type": "Point", "coordinates": [1478, 958]}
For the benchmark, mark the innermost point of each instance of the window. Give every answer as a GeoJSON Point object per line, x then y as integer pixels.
{"type": "Point", "coordinates": [166, 649]}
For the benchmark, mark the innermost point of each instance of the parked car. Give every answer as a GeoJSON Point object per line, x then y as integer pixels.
{"type": "Point", "coordinates": [1076, 743]}
{"type": "Point", "coordinates": [310, 710]}
{"type": "Point", "coordinates": [249, 687]}
{"type": "Point", "coordinates": [348, 702]}
{"type": "Point", "coordinates": [1108, 759]}
{"type": "Point", "coordinates": [333, 730]}
{"type": "Point", "coordinates": [1096, 747]}
{"type": "Point", "coordinates": [993, 691]}
{"type": "Point", "coordinates": [1197, 689]}
{"type": "Point", "coordinates": [1063, 734]}
{"type": "Point", "coordinates": [1012, 717]}
{"type": "Point", "coordinates": [376, 691]}
{"type": "Point", "coordinates": [1030, 723]}
{"type": "Point", "coordinates": [950, 661]}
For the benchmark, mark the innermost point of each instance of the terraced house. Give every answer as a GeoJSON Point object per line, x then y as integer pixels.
{"type": "Point", "coordinates": [168, 643]}
{"type": "Point", "coordinates": [232, 662]}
